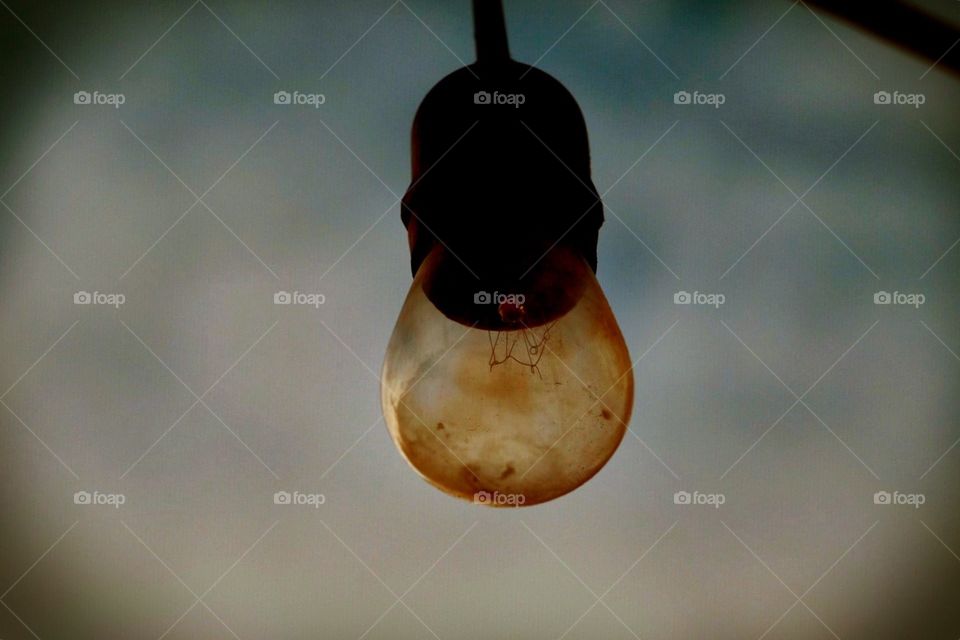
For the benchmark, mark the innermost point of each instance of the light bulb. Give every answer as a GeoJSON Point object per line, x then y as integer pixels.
{"type": "Point", "coordinates": [506, 380]}
{"type": "Point", "coordinates": [507, 397]}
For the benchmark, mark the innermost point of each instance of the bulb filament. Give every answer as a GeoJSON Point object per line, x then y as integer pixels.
{"type": "Point", "coordinates": [523, 346]}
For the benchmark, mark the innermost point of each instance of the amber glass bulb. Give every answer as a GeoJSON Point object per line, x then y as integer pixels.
{"type": "Point", "coordinates": [514, 412]}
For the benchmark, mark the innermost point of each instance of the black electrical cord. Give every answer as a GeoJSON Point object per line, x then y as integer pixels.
{"type": "Point", "coordinates": [908, 27]}
{"type": "Point", "coordinates": [490, 31]}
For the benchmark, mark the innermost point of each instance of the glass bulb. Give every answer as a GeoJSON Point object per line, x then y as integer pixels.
{"type": "Point", "coordinates": [507, 397]}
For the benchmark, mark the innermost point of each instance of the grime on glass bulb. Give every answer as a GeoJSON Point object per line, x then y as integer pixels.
{"type": "Point", "coordinates": [507, 397]}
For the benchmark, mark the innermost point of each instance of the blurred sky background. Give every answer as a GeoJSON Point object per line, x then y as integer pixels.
{"type": "Point", "coordinates": [296, 198]}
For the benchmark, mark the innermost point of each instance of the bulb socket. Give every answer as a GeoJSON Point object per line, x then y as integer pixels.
{"type": "Point", "coordinates": [501, 173]}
